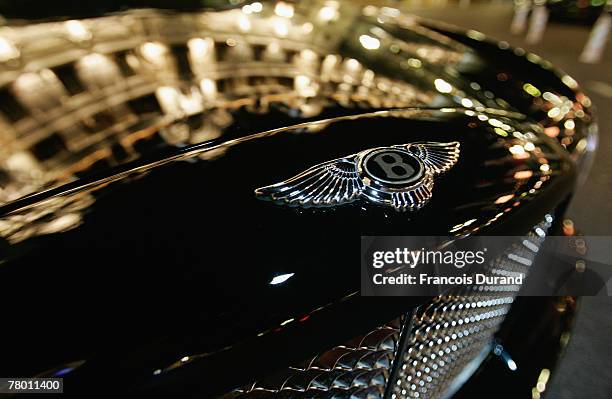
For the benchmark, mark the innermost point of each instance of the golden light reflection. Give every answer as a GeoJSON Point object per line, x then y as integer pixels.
{"type": "Point", "coordinates": [531, 90]}
{"type": "Point", "coordinates": [466, 102]}
{"type": "Point", "coordinates": [500, 132]}
{"type": "Point", "coordinates": [569, 82]}
{"type": "Point", "coordinates": [554, 112]}
{"type": "Point", "coordinates": [283, 9]}
{"type": "Point", "coordinates": [281, 27]}
{"type": "Point", "coordinates": [329, 12]}
{"type": "Point", "coordinates": [504, 198]}
{"type": "Point", "coordinates": [77, 31]}
{"type": "Point", "coordinates": [552, 131]}
{"type": "Point", "coordinates": [517, 149]}
{"type": "Point", "coordinates": [581, 146]}
{"type": "Point", "coordinates": [153, 52]}
{"type": "Point", "coordinates": [304, 86]}
{"type": "Point", "coordinates": [209, 89]}
{"type": "Point", "coordinates": [542, 381]}
{"type": "Point", "coordinates": [368, 42]}
{"type": "Point", "coordinates": [256, 7]}
{"type": "Point", "coordinates": [414, 62]}
{"type": "Point", "coordinates": [523, 174]}
{"type": "Point", "coordinates": [244, 23]}
{"type": "Point", "coordinates": [443, 86]}
{"type": "Point", "coordinates": [8, 51]}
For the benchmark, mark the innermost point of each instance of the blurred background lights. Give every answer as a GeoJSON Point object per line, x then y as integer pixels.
{"type": "Point", "coordinates": [256, 7]}
{"type": "Point", "coordinates": [329, 12]}
{"type": "Point", "coordinates": [281, 28]}
{"type": "Point", "coordinates": [283, 9]}
{"type": "Point", "coordinates": [369, 42]}
{"type": "Point", "coordinates": [244, 24]}
{"type": "Point", "coordinates": [531, 90]}
{"type": "Point", "coordinates": [443, 86]}
{"type": "Point", "coordinates": [466, 102]}
{"type": "Point", "coordinates": [517, 149]}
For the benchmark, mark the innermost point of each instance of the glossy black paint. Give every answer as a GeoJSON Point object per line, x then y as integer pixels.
{"type": "Point", "coordinates": [196, 255]}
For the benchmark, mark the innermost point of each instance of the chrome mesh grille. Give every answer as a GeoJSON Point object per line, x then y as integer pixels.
{"type": "Point", "coordinates": [359, 368]}
{"type": "Point", "coordinates": [444, 336]}
{"type": "Point", "coordinates": [452, 330]}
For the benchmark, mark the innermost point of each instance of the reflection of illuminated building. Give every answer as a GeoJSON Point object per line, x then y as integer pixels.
{"type": "Point", "coordinates": [85, 95]}
{"type": "Point", "coordinates": [59, 214]}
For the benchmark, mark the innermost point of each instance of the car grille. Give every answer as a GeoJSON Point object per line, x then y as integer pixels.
{"type": "Point", "coordinates": [359, 368]}
{"type": "Point", "coordinates": [451, 331]}
{"type": "Point", "coordinates": [448, 334]}
{"type": "Point", "coordinates": [444, 339]}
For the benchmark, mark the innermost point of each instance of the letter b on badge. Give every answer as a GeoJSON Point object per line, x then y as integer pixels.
{"type": "Point", "coordinates": [396, 169]}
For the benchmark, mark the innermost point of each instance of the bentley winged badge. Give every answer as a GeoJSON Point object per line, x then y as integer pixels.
{"type": "Point", "coordinates": [400, 176]}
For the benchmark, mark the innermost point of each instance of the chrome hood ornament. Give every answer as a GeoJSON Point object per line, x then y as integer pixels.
{"type": "Point", "coordinates": [400, 176]}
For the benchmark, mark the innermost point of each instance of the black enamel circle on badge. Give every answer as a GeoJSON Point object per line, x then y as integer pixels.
{"type": "Point", "coordinates": [392, 166]}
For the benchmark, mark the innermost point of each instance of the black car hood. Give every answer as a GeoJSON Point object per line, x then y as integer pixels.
{"type": "Point", "coordinates": [183, 245]}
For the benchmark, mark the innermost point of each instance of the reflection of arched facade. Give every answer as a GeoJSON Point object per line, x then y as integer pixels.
{"type": "Point", "coordinates": [78, 95]}
{"type": "Point", "coordinates": [84, 95]}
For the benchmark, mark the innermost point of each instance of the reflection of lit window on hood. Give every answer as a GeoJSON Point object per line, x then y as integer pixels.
{"type": "Point", "coordinates": [39, 91]}
{"type": "Point", "coordinates": [97, 71]}
{"type": "Point", "coordinates": [176, 103]}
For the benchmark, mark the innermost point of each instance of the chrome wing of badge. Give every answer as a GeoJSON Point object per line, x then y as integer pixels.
{"type": "Point", "coordinates": [400, 176]}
